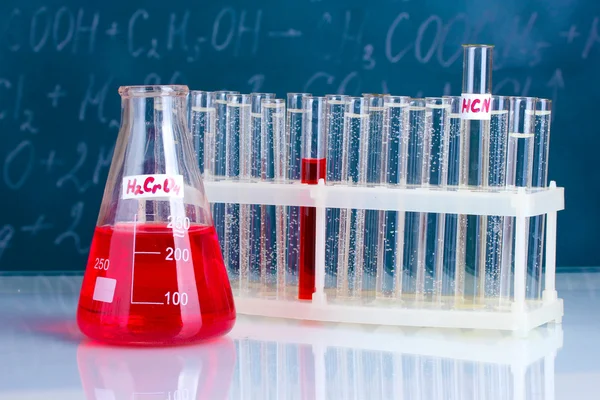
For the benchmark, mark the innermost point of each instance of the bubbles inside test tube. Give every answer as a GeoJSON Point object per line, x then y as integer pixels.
{"type": "Point", "coordinates": [237, 131]}
{"type": "Point", "coordinates": [350, 255]}
{"type": "Point", "coordinates": [497, 277]}
{"type": "Point", "coordinates": [202, 114]}
{"type": "Point", "coordinates": [535, 255]}
{"type": "Point", "coordinates": [294, 127]}
{"type": "Point", "coordinates": [437, 170]}
{"type": "Point", "coordinates": [375, 176]}
{"type": "Point", "coordinates": [336, 105]}
{"type": "Point", "coordinates": [272, 130]}
{"type": "Point", "coordinates": [391, 238]}
{"type": "Point", "coordinates": [273, 218]}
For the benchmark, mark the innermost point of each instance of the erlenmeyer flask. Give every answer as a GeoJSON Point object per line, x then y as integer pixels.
{"type": "Point", "coordinates": [155, 272]}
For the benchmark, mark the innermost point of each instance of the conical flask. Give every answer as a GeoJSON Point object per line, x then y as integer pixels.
{"type": "Point", "coordinates": [155, 273]}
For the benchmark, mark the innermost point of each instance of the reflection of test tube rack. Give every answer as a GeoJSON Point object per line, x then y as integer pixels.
{"type": "Point", "coordinates": [322, 362]}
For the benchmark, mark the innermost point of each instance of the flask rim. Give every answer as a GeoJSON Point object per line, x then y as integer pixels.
{"type": "Point", "coordinates": [153, 90]}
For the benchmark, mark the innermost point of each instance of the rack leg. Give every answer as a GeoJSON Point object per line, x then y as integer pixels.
{"type": "Point", "coordinates": [549, 295]}
{"type": "Point", "coordinates": [319, 295]}
{"type": "Point", "coordinates": [520, 263]}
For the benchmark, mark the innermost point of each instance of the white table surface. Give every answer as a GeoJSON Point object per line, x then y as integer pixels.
{"type": "Point", "coordinates": [43, 356]}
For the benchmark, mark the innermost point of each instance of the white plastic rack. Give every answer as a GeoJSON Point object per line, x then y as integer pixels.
{"type": "Point", "coordinates": [523, 314]}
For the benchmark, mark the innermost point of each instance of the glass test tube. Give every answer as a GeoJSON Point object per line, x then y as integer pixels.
{"type": "Point", "coordinates": [374, 176]}
{"type": "Point", "coordinates": [495, 275]}
{"type": "Point", "coordinates": [350, 256]}
{"type": "Point", "coordinates": [452, 274]}
{"type": "Point", "coordinates": [519, 167]}
{"type": "Point", "coordinates": [215, 161]}
{"type": "Point", "coordinates": [251, 221]}
{"type": "Point", "coordinates": [474, 166]}
{"type": "Point", "coordinates": [273, 160]}
{"type": "Point", "coordinates": [438, 177]}
{"type": "Point", "coordinates": [314, 164]}
{"type": "Point", "coordinates": [419, 147]}
{"type": "Point", "coordinates": [336, 105]}
{"type": "Point", "coordinates": [294, 124]}
{"type": "Point", "coordinates": [541, 142]}
{"type": "Point", "coordinates": [201, 123]}
{"type": "Point", "coordinates": [391, 237]}
{"type": "Point", "coordinates": [237, 127]}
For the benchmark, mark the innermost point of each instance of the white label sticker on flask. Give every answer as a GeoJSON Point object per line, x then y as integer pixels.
{"type": "Point", "coordinates": [152, 186]}
{"type": "Point", "coordinates": [104, 290]}
{"type": "Point", "coordinates": [476, 106]}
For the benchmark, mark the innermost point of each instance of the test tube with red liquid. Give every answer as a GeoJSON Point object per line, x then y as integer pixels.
{"type": "Point", "coordinates": [293, 134]}
{"type": "Point", "coordinates": [155, 272]}
{"type": "Point", "coordinates": [313, 168]}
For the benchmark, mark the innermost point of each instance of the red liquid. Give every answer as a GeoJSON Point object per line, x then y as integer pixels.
{"type": "Point", "coordinates": [313, 169]}
{"type": "Point", "coordinates": [181, 292]}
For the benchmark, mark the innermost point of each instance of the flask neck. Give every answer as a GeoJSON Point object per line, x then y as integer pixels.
{"type": "Point", "coordinates": [157, 111]}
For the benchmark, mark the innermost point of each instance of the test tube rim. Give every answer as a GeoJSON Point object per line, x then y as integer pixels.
{"type": "Point", "coordinates": [439, 98]}
{"type": "Point", "coordinates": [272, 103]}
{"type": "Point", "coordinates": [241, 96]}
{"type": "Point", "coordinates": [153, 90]}
{"type": "Point", "coordinates": [364, 104]}
{"type": "Point", "coordinates": [267, 95]}
{"type": "Point", "coordinates": [336, 97]}
{"type": "Point", "coordinates": [542, 100]}
{"type": "Point", "coordinates": [474, 45]}
{"type": "Point", "coordinates": [201, 100]}
{"type": "Point", "coordinates": [513, 110]}
{"type": "Point", "coordinates": [198, 92]}
{"type": "Point", "coordinates": [373, 94]}
{"type": "Point", "coordinates": [505, 100]}
{"type": "Point", "coordinates": [292, 95]}
{"type": "Point", "coordinates": [301, 94]}
{"type": "Point", "coordinates": [256, 106]}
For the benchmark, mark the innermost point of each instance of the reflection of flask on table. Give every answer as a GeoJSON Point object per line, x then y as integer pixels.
{"type": "Point", "coordinates": [155, 272]}
{"type": "Point", "coordinates": [175, 373]}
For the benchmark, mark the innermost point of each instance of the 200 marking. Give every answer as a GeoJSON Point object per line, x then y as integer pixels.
{"type": "Point", "coordinates": [177, 254]}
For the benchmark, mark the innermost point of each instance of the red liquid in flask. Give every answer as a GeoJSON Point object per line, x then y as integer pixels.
{"type": "Point", "coordinates": [313, 169]}
{"type": "Point", "coordinates": [146, 283]}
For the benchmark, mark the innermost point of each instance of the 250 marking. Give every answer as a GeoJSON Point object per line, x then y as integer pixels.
{"type": "Point", "coordinates": [178, 223]}
{"type": "Point", "coordinates": [102, 264]}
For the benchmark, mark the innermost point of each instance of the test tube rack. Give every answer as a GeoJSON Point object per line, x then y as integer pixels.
{"type": "Point", "coordinates": [520, 203]}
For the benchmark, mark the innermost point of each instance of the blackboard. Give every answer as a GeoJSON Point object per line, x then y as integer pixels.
{"type": "Point", "coordinates": [62, 62]}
